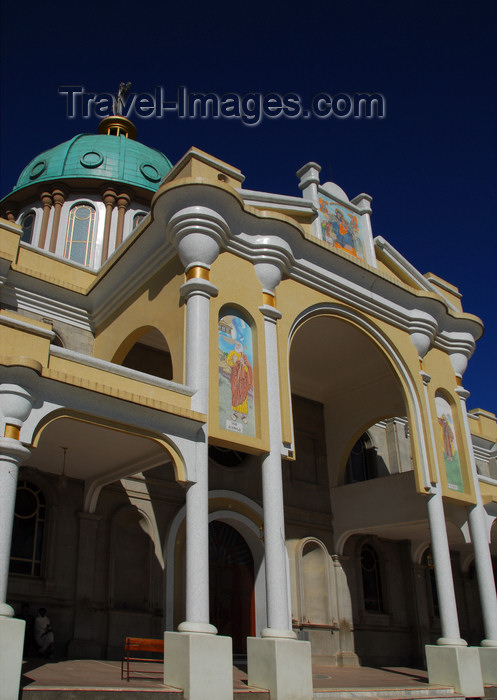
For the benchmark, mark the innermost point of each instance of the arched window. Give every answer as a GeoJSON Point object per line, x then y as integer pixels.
{"type": "Point", "coordinates": [361, 464]}
{"type": "Point", "coordinates": [150, 354]}
{"type": "Point", "coordinates": [80, 230]}
{"type": "Point", "coordinates": [28, 224]}
{"type": "Point", "coordinates": [371, 582]}
{"type": "Point", "coordinates": [29, 528]}
{"type": "Point", "coordinates": [138, 218]}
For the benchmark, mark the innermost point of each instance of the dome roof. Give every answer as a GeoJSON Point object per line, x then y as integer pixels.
{"type": "Point", "coordinates": [98, 157]}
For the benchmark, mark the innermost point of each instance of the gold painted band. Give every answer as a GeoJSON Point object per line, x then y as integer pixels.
{"type": "Point", "coordinates": [197, 272]}
{"type": "Point", "coordinates": [12, 431]}
{"type": "Point", "coordinates": [268, 299]}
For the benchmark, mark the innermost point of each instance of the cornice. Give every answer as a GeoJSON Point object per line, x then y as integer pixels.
{"type": "Point", "coordinates": [27, 300]}
{"type": "Point", "coordinates": [260, 236]}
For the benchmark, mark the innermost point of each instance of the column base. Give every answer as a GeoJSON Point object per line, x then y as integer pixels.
{"type": "Point", "coordinates": [488, 662]}
{"type": "Point", "coordinates": [456, 666]}
{"type": "Point", "coordinates": [11, 650]}
{"type": "Point", "coordinates": [200, 664]}
{"type": "Point", "coordinates": [282, 666]}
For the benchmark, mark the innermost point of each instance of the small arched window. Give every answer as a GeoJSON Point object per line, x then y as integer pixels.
{"type": "Point", "coordinates": [138, 218]}
{"type": "Point", "coordinates": [80, 234]}
{"type": "Point", "coordinates": [28, 531]}
{"type": "Point", "coordinates": [28, 224]}
{"type": "Point", "coordinates": [371, 581]}
{"type": "Point", "coordinates": [361, 464]}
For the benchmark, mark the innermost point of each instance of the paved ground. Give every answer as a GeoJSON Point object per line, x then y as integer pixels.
{"type": "Point", "coordinates": [107, 674]}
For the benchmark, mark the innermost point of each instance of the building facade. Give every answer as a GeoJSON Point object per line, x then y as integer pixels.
{"type": "Point", "coordinates": [237, 415]}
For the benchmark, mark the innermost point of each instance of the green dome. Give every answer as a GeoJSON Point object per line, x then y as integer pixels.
{"type": "Point", "coordinates": [98, 157]}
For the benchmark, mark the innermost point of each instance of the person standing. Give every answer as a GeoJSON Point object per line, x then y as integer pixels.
{"type": "Point", "coordinates": [44, 636]}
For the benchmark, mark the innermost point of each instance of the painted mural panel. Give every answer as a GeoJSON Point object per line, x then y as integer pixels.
{"type": "Point", "coordinates": [342, 227]}
{"type": "Point", "coordinates": [236, 374]}
{"type": "Point", "coordinates": [449, 445]}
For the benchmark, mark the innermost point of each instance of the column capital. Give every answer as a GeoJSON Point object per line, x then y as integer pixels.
{"type": "Point", "coordinates": [109, 196]}
{"type": "Point", "coordinates": [270, 313]}
{"type": "Point", "coordinates": [123, 200]}
{"type": "Point", "coordinates": [58, 195]}
{"type": "Point", "coordinates": [422, 330]}
{"type": "Point", "coordinates": [462, 393]}
{"type": "Point", "coordinates": [46, 197]}
{"type": "Point", "coordinates": [11, 211]}
{"type": "Point", "coordinates": [200, 286]}
{"type": "Point", "coordinates": [270, 269]}
{"type": "Point", "coordinates": [13, 451]}
{"type": "Point", "coordinates": [199, 234]}
{"type": "Point", "coordinates": [15, 403]}
{"type": "Point", "coordinates": [425, 377]}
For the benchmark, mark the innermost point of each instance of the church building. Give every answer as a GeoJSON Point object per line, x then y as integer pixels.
{"type": "Point", "coordinates": [235, 420]}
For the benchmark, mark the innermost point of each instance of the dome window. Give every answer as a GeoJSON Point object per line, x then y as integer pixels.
{"type": "Point", "coordinates": [138, 218]}
{"type": "Point", "coordinates": [80, 234]}
{"type": "Point", "coordinates": [28, 223]}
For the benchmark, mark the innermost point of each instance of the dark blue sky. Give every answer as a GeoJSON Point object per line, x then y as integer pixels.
{"type": "Point", "coordinates": [429, 163]}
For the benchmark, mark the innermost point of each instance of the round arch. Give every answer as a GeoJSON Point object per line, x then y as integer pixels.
{"type": "Point", "coordinates": [242, 514]}
{"type": "Point", "coordinates": [146, 350]}
{"type": "Point", "coordinates": [124, 450]}
{"type": "Point", "coordinates": [345, 336]}
{"type": "Point", "coordinates": [314, 581]}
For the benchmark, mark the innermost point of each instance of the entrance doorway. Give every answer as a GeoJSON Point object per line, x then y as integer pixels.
{"type": "Point", "coordinates": [231, 576]}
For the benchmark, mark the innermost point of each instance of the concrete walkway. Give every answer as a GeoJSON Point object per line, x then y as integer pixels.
{"type": "Point", "coordinates": [42, 680]}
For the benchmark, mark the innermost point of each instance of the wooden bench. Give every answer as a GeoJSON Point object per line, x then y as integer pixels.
{"type": "Point", "coordinates": [134, 648]}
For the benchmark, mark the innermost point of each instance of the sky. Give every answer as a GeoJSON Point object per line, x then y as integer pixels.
{"type": "Point", "coordinates": [428, 163]}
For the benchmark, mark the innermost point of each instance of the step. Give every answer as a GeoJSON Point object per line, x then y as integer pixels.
{"type": "Point", "coordinates": [387, 694]}
{"type": "Point", "coordinates": [34, 692]}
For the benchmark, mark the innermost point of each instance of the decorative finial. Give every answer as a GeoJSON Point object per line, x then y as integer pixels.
{"type": "Point", "coordinates": [121, 94]}
{"type": "Point", "coordinates": [117, 125]}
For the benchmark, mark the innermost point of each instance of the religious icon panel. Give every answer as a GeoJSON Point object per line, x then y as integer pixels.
{"type": "Point", "coordinates": [449, 445]}
{"type": "Point", "coordinates": [236, 374]}
{"type": "Point", "coordinates": [342, 228]}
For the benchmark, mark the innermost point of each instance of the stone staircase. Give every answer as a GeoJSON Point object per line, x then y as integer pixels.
{"type": "Point", "coordinates": [60, 693]}
{"type": "Point", "coordinates": [101, 680]}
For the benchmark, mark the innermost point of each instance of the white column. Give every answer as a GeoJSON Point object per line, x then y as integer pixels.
{"type": "Point", "coordinates": [197, 659]}
{"type": "Point", "coordinates": [279, 623]}
{"type": "Point", "coordinates": [197, 293]}
{"type": "Point", "coordinates": [479, 537]}
{"type": "Point", "coordinates": [15, 406]}
{"type": "Point", "coordinates": [449, 621]}
{"type": "Point", "coordinates": [278, 661]}
{"type": "Point", "coordinates": [450, 661]}
{"type": "Point", "coordinates": [198, 234]}
{"type": "Point", "coordinates": [443, 572]}
{"type": "Point", "coordinates": [12, 454]}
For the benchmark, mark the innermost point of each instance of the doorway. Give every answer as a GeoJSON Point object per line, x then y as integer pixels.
{"type": "Point", "coordinates": [231, 585]}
